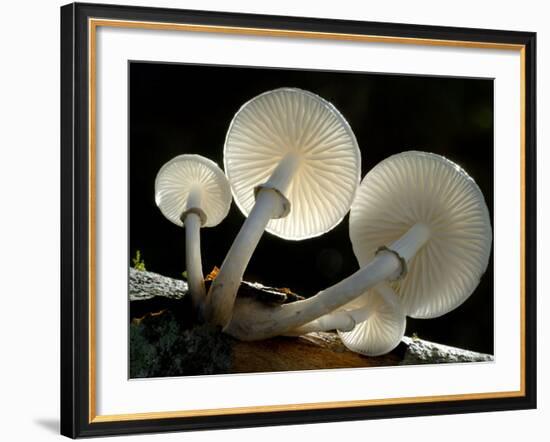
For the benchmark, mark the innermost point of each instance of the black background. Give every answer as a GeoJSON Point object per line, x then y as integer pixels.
{"type": "Point", "coordinates": [177, 108]}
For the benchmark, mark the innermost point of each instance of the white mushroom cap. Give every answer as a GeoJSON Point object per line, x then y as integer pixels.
{"type": "Point", "coordinates": [381, 332]}
{"type": "Point", "coordinates": [186, 175]}
{"type": "Point", "coordinates": [418, 187]}
{"type": "Point", "coordinates": [293, 121]}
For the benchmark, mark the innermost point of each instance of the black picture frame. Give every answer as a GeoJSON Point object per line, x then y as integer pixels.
{"type": "Point", "coordinates": [77, 417]}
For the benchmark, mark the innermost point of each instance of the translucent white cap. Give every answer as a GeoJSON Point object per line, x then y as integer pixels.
{"type": "Point", "coordinates": [381, 332]}
{"type": "Point", "coordinates": [419, 187]}
{"type": "Point", "coordinates": [192, 182]}
{"type": "Point", "coordinates": [293, 121]}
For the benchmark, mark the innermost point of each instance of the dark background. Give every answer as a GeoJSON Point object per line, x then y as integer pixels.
{"type": "Point", "coordinates": [178, 108]}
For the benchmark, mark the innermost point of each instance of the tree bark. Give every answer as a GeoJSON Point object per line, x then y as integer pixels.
{"type": "Point", "coordinates": [153, 294]}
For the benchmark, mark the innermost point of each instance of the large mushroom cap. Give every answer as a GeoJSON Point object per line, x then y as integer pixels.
{"type": "Point", "coordinates": [186, 173]}
{"type": "Point", "coordinates": [381, 332]}
{"type": "Point", "coordinates": [283, 121]}
{"type": "Point", "coordinates": [419, 187]}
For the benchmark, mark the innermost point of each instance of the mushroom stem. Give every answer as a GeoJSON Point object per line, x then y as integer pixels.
{"type": "Point", "coordinates": [195, 277]}
{"type": "Point", "coordinates": [270, 203]}
{"type": "Point", "coordinates": [281, 176]}
{"type": "Point", "coordinates": [388, 264]}
{"type": "Point", "coordinates": [194, 199]}
{"type": "Point", "coordinates": [333, 321]}
{"type": "Point", "coordinates": [266, 323]}
{"type": "Point", "coordinates": [193, 260]}
{"type": "Point", "coordinates": [385, 265]}
{"type": "Point", "coordinates": [410, 243]}
{"type": "Point", "coordinates": [346, 320]}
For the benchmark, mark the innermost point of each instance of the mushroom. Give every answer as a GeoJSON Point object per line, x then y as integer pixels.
{"type": "Point", "coordinates": [419, 222]}
{"type": "Point", "coordinates": [293, 164]}
{"type": "Point", "coordinates": [380, 322]}
{"type": "Point", "coordinates": [432, 215]}
{"type": "Point", "coordinates": [193, 191]}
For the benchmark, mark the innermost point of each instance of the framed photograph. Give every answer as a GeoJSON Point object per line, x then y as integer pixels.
{"type": "Point", "coordinates": [275, 220]}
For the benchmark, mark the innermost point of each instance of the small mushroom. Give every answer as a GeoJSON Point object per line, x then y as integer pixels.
{"type": "Point", "coordinates": [420, 222]}
{"type": "Point", "coordinates": [193, 191]}
{"type": "Point", "coordinates": [293, 164]}
{"type": "Point", "coordinates": [372, 324]}
{"type": "Point", "coordinates": [380, 322]}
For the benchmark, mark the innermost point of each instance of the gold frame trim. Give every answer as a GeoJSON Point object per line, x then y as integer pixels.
{"type": "Point", "coordinates": [93, 24]}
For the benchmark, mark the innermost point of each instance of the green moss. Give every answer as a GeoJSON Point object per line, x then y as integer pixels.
{"type": "Point", "coordinates": [160, 346]}
{"type": "Point", "coordinates": [138, 262]}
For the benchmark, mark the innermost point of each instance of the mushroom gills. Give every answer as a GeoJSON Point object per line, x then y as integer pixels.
{"type": "Point", "coordinates": [383, 327]}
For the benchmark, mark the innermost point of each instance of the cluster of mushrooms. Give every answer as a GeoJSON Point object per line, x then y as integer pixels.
{"type": "Point", "coordinates": [419, 224]}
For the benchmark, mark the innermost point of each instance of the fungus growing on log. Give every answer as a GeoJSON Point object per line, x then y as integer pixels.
{"type": "Point", "coordinates": [193, 191]}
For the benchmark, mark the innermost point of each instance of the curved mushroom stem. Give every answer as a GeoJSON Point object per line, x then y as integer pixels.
{"type": "Point", "coordinates": [345, 320]}
{"type": "Point", "coordinates": [389, 263]}
{"type": "Point", "coordinates": [333, 321]}
{"type": "Point", "coordinates": [384, 266]}
{"type": "Point", "coordinates": [270, 203]}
